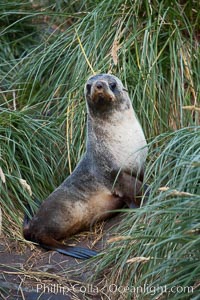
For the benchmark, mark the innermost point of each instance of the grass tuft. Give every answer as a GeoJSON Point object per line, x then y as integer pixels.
{"type": "Point", "coordinates": [159, 243]}
{"type": "Point", "coordinates": [48, 50]}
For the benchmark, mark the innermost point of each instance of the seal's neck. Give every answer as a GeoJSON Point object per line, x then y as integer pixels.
{"type": "Point", "coordinates": [113, 129]}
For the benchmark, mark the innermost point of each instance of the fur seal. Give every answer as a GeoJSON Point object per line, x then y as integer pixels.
{"type": "Point", "coordinates": [109, 174]}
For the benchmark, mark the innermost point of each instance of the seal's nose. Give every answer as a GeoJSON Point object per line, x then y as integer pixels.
{"type": "Point", "coordinates": [99, 85]}
{"type": "Point", "coordinates": [100, 92]}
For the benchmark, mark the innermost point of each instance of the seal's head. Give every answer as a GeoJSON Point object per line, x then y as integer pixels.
{"type": "Point", "coordinates": [105, 93]}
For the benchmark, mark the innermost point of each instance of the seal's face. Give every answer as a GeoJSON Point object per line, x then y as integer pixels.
{"type": "Point", "coordinates": [104, 93]}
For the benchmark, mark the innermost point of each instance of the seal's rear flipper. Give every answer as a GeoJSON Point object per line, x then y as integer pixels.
{"type": "Point", "coordinates": [49, 243]}
{"type": "Point", "coordinates": [76, 252]}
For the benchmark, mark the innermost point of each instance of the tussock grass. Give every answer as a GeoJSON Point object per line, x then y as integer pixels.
{"type": "Point", "coordinates": [27, 145]}
{"type": "Point", "coordinates": [158, 244]}
{"type": "Point", "coordinates": [47, 52]}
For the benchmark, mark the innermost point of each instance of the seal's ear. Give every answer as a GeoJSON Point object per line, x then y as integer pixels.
{"type": "Point", "coordinates": [88, 88]}
{"type": "Point", "coordinates": [124, 89]}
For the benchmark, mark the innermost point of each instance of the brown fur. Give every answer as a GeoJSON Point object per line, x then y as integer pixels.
{"type": "Point", "coordinates": [109, 174]}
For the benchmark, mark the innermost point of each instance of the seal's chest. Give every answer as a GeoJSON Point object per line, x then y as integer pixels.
{"type": "Point", "coordinates": [126, 142]}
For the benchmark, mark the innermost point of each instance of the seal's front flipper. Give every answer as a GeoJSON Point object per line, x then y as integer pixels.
{"type": "Point", "coordinates": [132, 205]}
{"type": "Point", "coordinates": [131, 189]}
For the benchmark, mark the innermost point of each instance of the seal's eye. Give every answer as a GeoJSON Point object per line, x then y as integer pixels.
{"type": "Point", "coordinates": [88, 87]}
{"type": "Point", "coordinates": [112, 85]}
